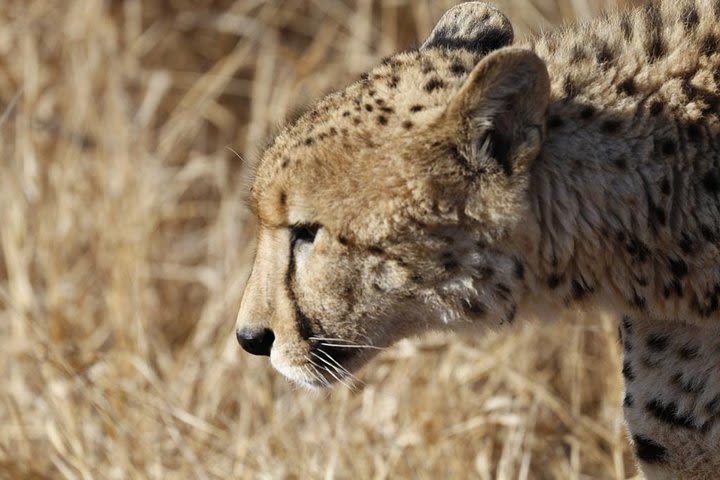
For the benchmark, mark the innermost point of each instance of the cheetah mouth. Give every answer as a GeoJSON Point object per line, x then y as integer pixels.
{"type": "Point", "coordinates": [334, 360]}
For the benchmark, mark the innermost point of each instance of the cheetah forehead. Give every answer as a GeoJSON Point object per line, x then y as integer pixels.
{"type": "Point", "coordinates": [388, 116]}
{"type": "Point", "coordinates": [387, 107]}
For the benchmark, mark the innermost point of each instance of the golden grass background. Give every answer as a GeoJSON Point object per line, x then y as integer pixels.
{"type": "Point", "coordinates": [127, 136]}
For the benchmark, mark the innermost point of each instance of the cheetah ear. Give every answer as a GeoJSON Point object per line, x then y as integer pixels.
{"type": "Point", "coordinates": [500, 110]}
{"type": "Point", "coordinates": [474, 26]}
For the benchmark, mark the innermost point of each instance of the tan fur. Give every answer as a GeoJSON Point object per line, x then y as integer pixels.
{"type": "Point", "coordinates": [455, 185]}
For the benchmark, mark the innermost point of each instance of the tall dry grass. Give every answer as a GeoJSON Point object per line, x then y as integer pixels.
{"type": "Point", "coordinates": [128, 132]}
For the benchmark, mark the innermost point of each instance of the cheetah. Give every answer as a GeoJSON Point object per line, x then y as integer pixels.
{"type": "Point", "coordinates": [472, 181]}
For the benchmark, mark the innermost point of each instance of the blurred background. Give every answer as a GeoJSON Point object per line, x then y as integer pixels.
{"type": "Point", "coordinates": [128, 129]}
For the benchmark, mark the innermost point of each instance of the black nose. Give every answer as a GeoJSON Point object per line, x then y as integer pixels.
{"type": "Point", "coordinates": [257, 341]}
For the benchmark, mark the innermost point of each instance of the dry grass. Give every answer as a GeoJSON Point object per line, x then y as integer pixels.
{"type": "Point", "coordinates": [125, 244]}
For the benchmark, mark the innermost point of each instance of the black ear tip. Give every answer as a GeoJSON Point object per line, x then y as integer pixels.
{"type": "Point", "coordinates": [473, 26]}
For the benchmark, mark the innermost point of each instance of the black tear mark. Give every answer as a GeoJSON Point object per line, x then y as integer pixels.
{"type": "Point", "coordinates": [648, 450]}
{"type": "Point", "coordinates": [303, 321]}
{"type": "Point", "coordinates": [304, 324]}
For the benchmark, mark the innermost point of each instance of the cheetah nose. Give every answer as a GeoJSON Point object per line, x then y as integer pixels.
{"type": "Point", "coordinates": [255, 341]}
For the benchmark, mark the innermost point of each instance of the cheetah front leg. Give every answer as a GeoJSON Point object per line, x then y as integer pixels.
{"type": "Point", "coordinates": [672, 397]}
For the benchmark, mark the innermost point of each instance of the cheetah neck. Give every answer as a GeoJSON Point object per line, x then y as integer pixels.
{"type": "Point", "coordinates": [625, 196]}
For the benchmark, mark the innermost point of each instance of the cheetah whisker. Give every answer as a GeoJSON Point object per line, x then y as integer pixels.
{"type": "Point", "coordinates": [342, 370]}
{"type": "Point", "coordinates": [319, 375]}
{"type": "Point", "coordinates": [331, 339]}
{"type": "Point", "coordinates": [317, 368]}
{"type": "Point", "coordinates": [312, 374]}
{"type": "Point", "coordinates": [323, 367]}
{"type": "Point", "coordinates": [352, 346]}
{"type": "Point", "coordinates": [313, 371]}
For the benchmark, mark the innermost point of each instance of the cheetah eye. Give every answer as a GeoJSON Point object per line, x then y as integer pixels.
{"type": "Point", "coordinates": [303, 233]}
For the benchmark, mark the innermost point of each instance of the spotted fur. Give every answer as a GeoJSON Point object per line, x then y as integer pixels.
{"type": "Point", "coordinates": [473, 181]}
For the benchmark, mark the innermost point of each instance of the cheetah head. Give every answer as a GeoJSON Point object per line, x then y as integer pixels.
{"type": "Point", "coordinates": [391, 208]}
